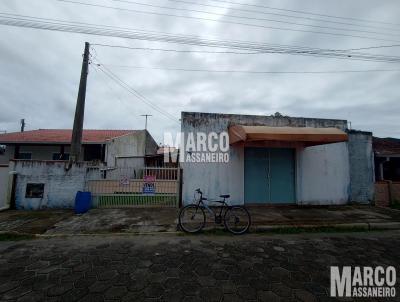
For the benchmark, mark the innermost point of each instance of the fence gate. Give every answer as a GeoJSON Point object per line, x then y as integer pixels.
{"type": "Point", "coordinates": [134, 187]}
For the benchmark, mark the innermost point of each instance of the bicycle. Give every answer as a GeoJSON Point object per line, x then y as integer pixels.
{"type": "Point", "coordinates": [192, 217]}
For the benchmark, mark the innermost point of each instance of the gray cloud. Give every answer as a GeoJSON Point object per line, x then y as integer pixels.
{"type": "Point", "coordinates": [40, 69]}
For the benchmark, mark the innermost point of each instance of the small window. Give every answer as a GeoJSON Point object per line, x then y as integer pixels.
{"type": "Point", "coordinates": [34, 191]}
{"type": "Point", "coordinates": [2, 149]}
{"type": "Point", "coordinates": [60, 156]}
{"type": "Point", "coordinates": [24, 155]}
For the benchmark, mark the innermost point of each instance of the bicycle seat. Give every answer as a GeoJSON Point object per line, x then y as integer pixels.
{"type": "Point", "coordinates": [225, 196]}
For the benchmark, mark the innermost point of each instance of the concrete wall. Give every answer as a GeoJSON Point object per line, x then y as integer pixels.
{"type": "Point", "coordinates": [9, 154]}
{"type": "Point", "coordinates": [60, 186]}
{"type": "Point", "coordinates": [130, 162]}
{"type": "Point", "coordinates": [327, 166]}
{"type": "Point", "coordinates": [361, 160]}
{"type": "Point", "coordinates": [216, 178]}
{"type": "Point", "coordinates": [132, 144]}
{"type": "Point", "coordinates": [151, 145]}
{"type": "Point", "coordinates": [139, 143]}
{"type": "Point", "coordinates": [323, 174]}
{"type": "Point", "coordinates": [4, 177]}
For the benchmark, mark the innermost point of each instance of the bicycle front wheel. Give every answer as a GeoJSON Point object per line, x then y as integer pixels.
{"type": "Point", "coordinates": [237, 220]}
{"type": "Point", "coordinates": [192, 218]}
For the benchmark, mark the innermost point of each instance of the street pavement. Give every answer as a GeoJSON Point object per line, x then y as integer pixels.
{"type": "Point", "coordinates": [170, 267]}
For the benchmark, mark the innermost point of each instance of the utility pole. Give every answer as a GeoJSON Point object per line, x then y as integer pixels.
{"type": "Point", "coordinates": [76, 140]}
{"type": "Point", "coordinates": [22, 125]}
{"type": "Point", "coordinates": [146, 115]}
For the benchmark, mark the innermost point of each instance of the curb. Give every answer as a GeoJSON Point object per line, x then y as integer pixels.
{"type": "Point", "coordinates": [361, 226]}
{"type": "Point", "coordinates": [384, 226]}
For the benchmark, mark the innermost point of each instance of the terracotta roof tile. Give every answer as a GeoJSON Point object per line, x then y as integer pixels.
{"type": "Point", "coordinates": [386, 146]}
{"type": "Point", "coordinates": [52, 136]}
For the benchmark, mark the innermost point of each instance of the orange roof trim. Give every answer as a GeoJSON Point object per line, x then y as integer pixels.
{"type": "Point", "coordinates": [314, 136]}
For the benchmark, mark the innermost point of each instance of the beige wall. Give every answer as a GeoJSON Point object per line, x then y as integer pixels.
{"type": "Point", "coordinates": [39, 152]}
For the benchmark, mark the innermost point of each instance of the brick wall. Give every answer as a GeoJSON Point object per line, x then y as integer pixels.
{"type": "Point", "coordinates": [387, 192]}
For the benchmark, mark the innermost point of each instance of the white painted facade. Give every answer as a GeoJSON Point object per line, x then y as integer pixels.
{"type": "Point", "coordinates": [60, 185]}
{"type": "Point", "coordinates": [322, 175]}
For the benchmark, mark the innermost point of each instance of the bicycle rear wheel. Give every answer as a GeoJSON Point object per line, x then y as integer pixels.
{"type": "Point", "coordinates": [237, 220]}
{"type": "Point", "coordinates": [192, 218]}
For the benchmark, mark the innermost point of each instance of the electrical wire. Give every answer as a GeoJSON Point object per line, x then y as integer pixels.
{"type": "Point", "coordinates": [253, 71]}
{"type": "Point", "coordinates": [133, 91]}
{"type": "Point", "coordinates": [107, 82]}
{"type": "Point", "coordinates": [229, 52]}
{"type": "Point", "coordinates": [186, 36]}
{"type": "Point", "coordinates": [247, 18]}
{"type": "Point", "coordinates": [94, 29]}
{"type": "Point", "coordinates": [225, 21]}
{"type": "Point", "coordinates": [178, 50]}
{"type": "Point", "coordinates": [253, 11]}
{"type": "Point", "coordinates": [304, 12]}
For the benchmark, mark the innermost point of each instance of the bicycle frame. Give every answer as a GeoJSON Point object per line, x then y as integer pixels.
{"type": "Point", "coordinates": [224, 216]}
{"type": "Point", "coordinates": [223, 205]}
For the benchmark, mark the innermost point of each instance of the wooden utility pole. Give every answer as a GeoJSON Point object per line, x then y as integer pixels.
{"type": "Point", "coordinates": [76, 140]}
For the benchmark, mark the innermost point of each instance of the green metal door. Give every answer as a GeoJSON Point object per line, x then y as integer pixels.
{"type": "Point", "coordinates": [255, 175]}
{"type": "Point", "coordinates": [269, 175]}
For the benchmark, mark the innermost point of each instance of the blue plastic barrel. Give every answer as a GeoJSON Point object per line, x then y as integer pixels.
{"type": "Point", "coordinates": [83, 202]}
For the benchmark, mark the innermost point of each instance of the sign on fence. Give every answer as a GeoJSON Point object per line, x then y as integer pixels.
{"type": "Point", "coordinates": [124, 181]}
{"type": "Point", "coordinates": [149, 184]}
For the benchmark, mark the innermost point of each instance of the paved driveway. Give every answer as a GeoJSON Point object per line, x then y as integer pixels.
{"type": "Point", "coordinates": [186, 268]}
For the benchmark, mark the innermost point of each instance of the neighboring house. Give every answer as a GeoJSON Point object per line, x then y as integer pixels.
{"type": "Point", "coordinates": [97, 145]}
{"type": "Point", "coordinates": [41, 177]}
{"type": "Point", "coordinates": [279, 160]}
{"type": "Point", "coordinates": [387, 158]}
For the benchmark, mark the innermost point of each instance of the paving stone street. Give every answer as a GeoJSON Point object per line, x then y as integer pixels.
{"type": "Point", "coordinates": [170, 267]}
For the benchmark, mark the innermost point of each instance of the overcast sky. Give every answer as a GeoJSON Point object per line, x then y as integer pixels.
{"type": "Point", "coordinates": [39, 70]}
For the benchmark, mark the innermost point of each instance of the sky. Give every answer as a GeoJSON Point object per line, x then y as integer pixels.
{"type": "Point", "coordinates": [40, 70]}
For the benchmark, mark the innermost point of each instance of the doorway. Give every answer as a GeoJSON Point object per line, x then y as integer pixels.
{"type": "Point", "coordinates": [269, 175]}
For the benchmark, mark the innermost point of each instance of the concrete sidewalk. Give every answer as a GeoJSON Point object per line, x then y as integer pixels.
{"type": "Point", "coordinates": [150, 220]}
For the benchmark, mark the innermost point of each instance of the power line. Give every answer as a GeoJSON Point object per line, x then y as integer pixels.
{"type": "Point", "coordinates": [253, 71]}
{"type": "Point", "coordinates": [305, 12]}
{"type": "Point", "coordinates": [95, 29]}
{"type": "Point", "coordinates": [273, 14]}
{"type": "Point", "coordinates": [374, 47]}
{"type": "Point", "coordinates": [179, 50]}
{"type": "Point", "coordinates": [243, 17]}
{"type": "Point", "coordinates": [228, 52]}
{"type": "Point", "coordinates": [186, 36]}
{"type": "Point", "coordinates": [107, 82]}
{"type": "Point", "coordinates": [225, 21]}
{"type": "Point", "coordinates": [134, 92]}
{"type": "Point", "coordinates": [348, 55]}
